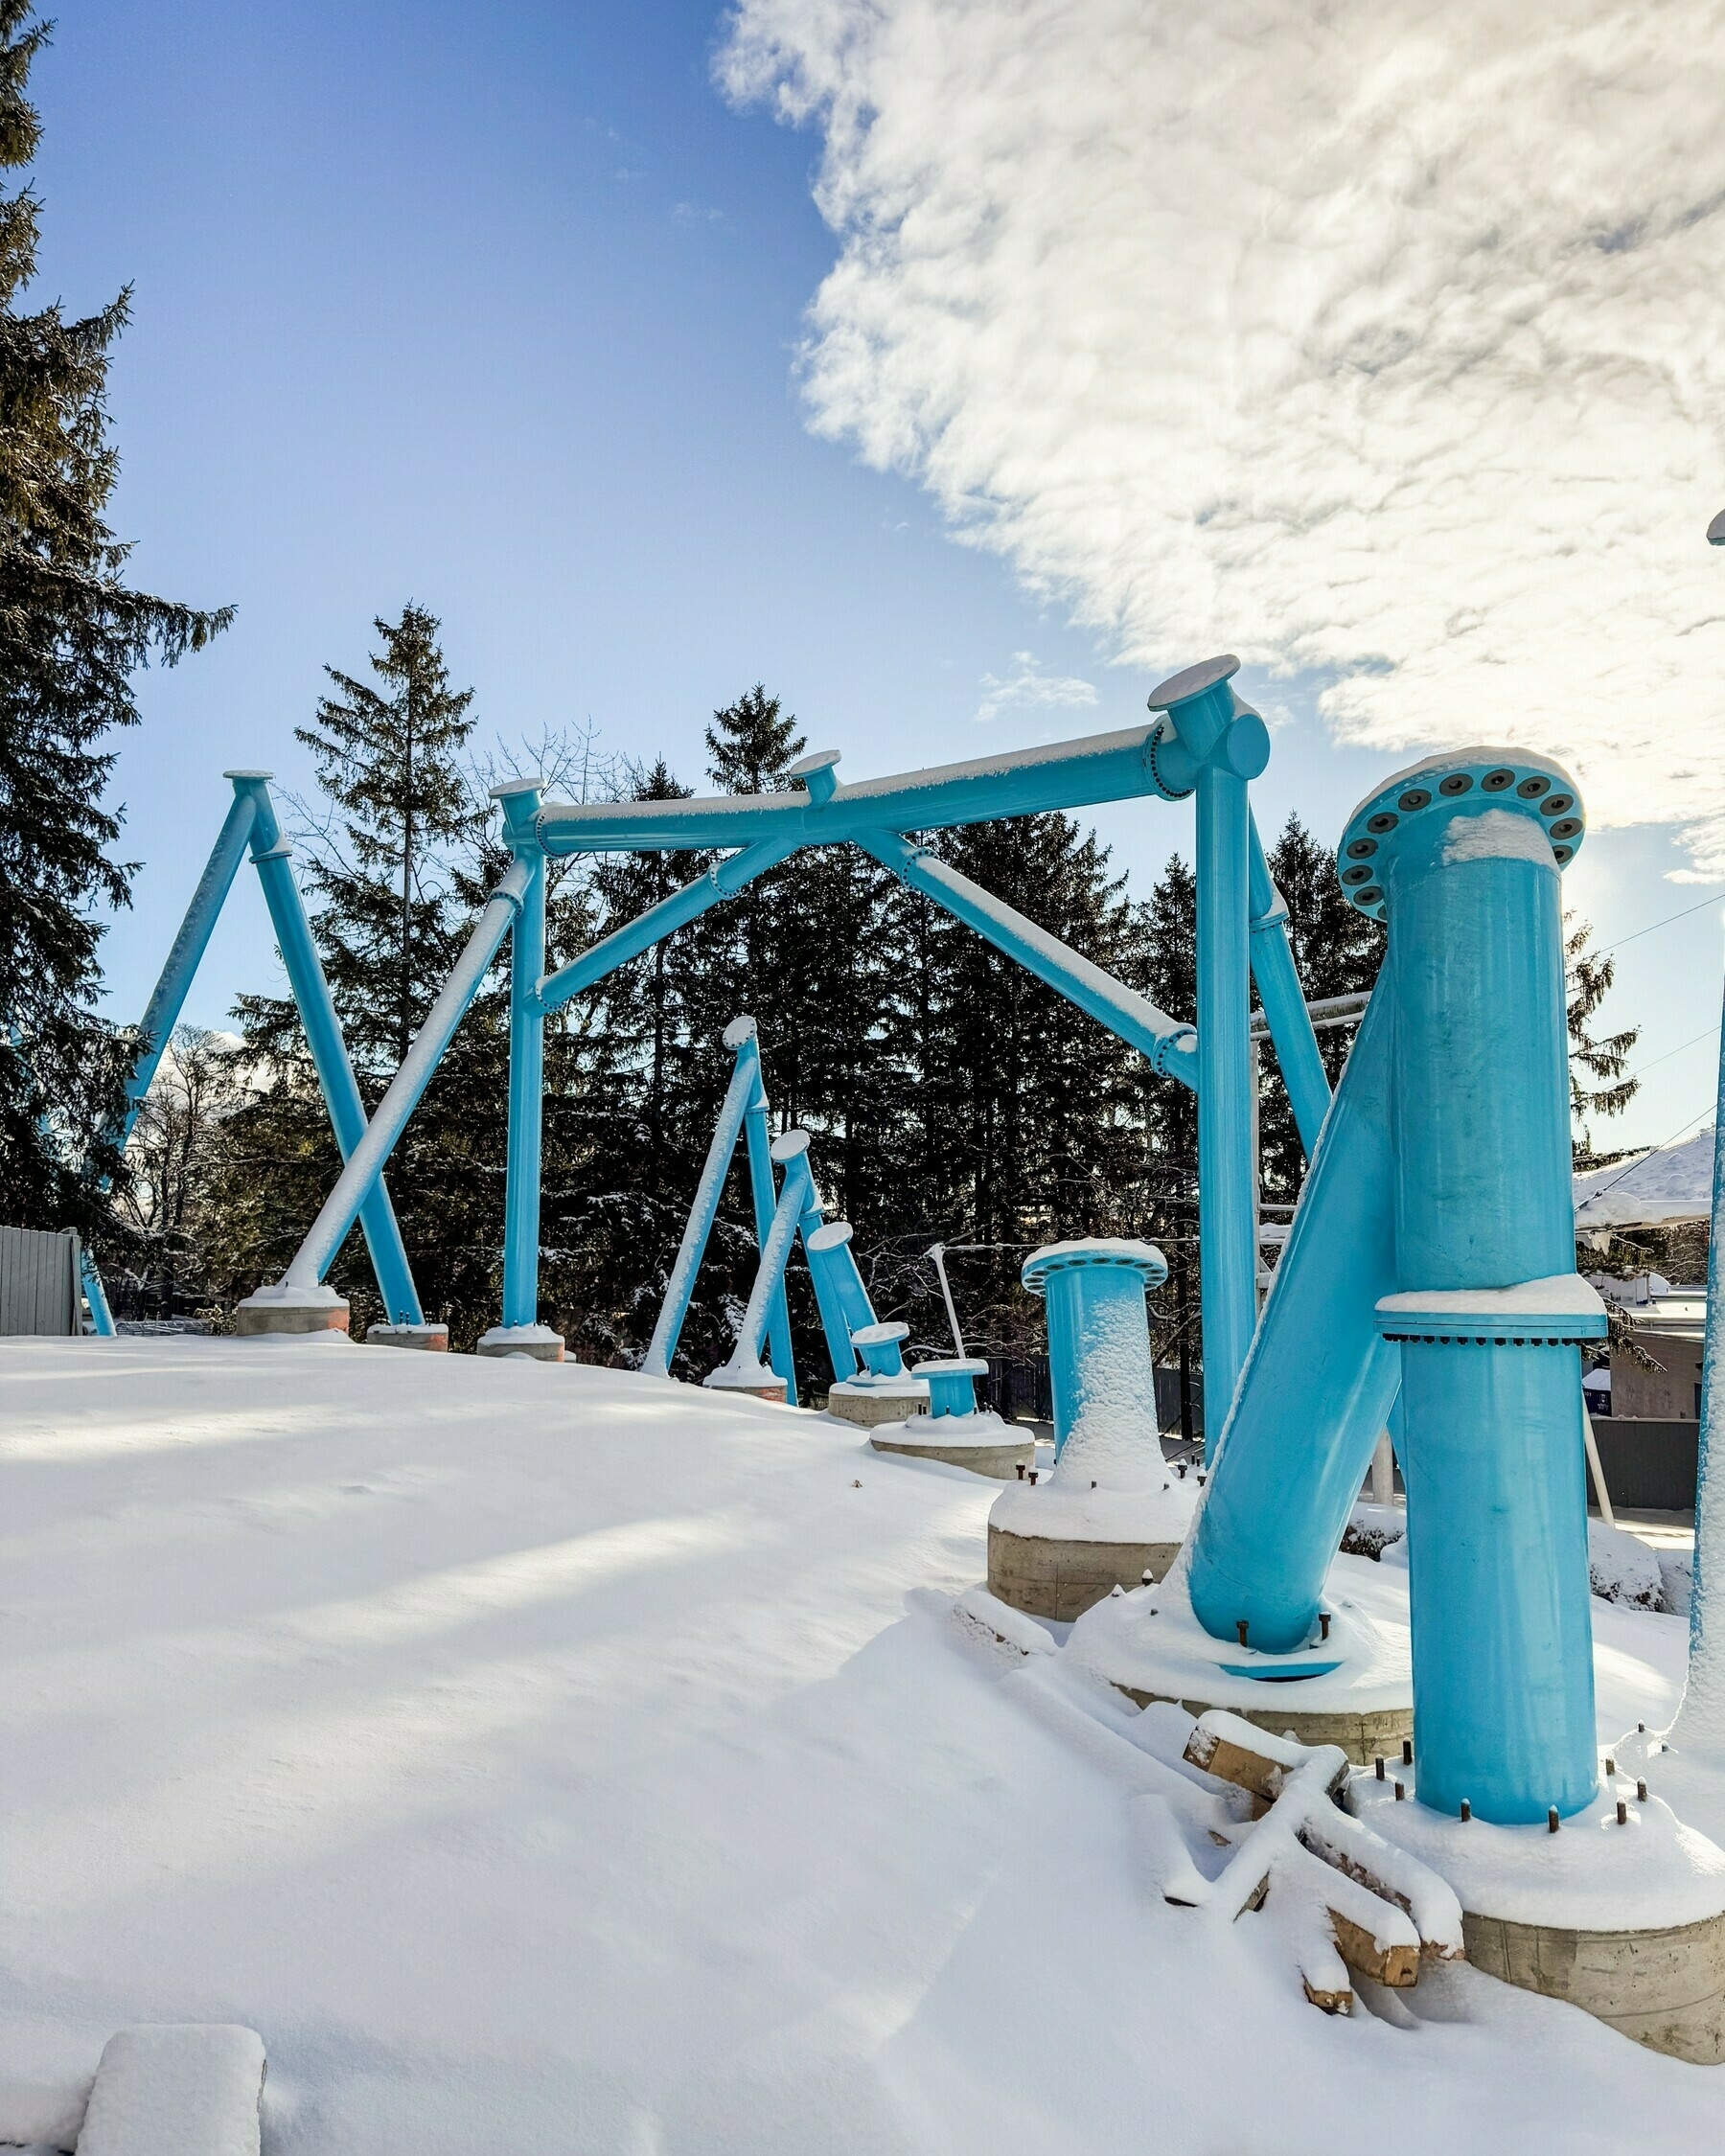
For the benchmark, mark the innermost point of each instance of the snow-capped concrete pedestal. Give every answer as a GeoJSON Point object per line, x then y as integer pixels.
{"type": "Point", "coordinates": [1626, 1921]}
{"type": "Point", "coordinates": [279, 1308]}
{"type": "Point", "coordinates": [981, 1443]}
{"type": "Point", "coordinates": [1055, 1551]}
{"type": "Point", "coordinates": [1352, 1688]}
{"type": "Point", "coordinates": [432, 1337]}
{"type": "Point", "coordinates": [758, 1383]}
{"type": "Point", "coordinates": [870, 1401]}
{"type": "Point", "coordinates": [537, 1341]}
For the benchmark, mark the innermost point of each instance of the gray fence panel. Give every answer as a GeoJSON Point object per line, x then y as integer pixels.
{"type": "Point", "coordinates": [1649, 1466]}
{"type": "Point", "coordinates": [39, 1283]}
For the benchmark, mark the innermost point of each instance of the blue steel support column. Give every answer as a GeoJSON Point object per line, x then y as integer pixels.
{"type": "Point", "coordinates": [791, 1152]}
{"type": "Point", "coordinates": [1462, 853]}
{"type": "Point", "coordinates": [1226, 744]}
{"type": "Point", "coordinates": [758, 1139]}
{"type": "Point", "coordinates": [519, 800]}
{"type": "Point", "coordinates": [1316, 1382]}
{"type": "Point", "coordinates": [270, 856]}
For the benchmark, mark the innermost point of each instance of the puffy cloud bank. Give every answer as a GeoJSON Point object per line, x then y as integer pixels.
{"type": "Point", "coordinates": [1380, 339]}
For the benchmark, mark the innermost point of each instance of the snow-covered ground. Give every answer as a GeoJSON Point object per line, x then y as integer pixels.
{"type": "Point", "coordinates": [545, 1761]}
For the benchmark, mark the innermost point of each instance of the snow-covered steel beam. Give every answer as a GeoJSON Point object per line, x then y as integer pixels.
{"type": "Point", "coordinates": [1075, 775]}
{"type": "Point", "coordinates": [341, 1207]}
{"type": "Point", "coordinates": [1170, 1045]}
{"type": "Point", "coordinates": [739, 1096]}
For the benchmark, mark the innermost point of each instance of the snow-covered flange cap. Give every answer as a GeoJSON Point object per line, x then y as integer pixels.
{"type": "Point", "coordinates": [1560, 1311]}
{"type": "Point", "coordinates": [1460, 779]}
{"type": "Point", "coordinates": [1142, 1258]}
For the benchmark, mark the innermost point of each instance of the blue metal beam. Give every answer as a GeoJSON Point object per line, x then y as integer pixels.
{"type": "Point", "coordinates": [1118, 767]}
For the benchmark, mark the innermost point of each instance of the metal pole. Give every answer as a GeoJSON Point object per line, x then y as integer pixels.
{"type": "Point", "coordinates": [939, 1254]}
{"type": "Point", "coordinates": [1701, 1717]}
{"type": "Point", "coordinates": [1285, 1011]}
{"type": "Point", "coordinates": [758, 1140]}
{"type": "Point", "coordinates": [520, 802]}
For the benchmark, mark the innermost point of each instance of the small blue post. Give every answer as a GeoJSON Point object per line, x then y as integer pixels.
{"type": "Point", "coordinates": [1226, 744]}
{"type": "Point", "coordinates": [953, 1385]}
{"type": "Point", "coordinates": [310, 990]}
{"type": "Point", "coordinates": [1099, 1368]}
{"type": "Point", "coordinates": [881, 1348]}
{"type": "Point", "coordinates": [519, 800]}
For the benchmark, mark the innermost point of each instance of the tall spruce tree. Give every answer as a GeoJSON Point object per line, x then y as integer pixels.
{"type": "Point", "coordinates": [71, 634]}
{"type": "Point", "coordinates": [384, 854]}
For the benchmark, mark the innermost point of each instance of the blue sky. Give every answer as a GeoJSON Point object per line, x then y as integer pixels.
{"type": "Point", "coordinates": [500, 311]}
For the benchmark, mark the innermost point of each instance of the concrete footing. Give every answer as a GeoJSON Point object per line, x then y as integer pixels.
{"type": "Point", "coordinates": [278, 1309]}
{"type": "Point", "coordinates": [1001, 1463]}
{"type": "Point", "coordinates": [434, 1338]}
{"type": "Point", "coordinates": [768, 1388]}
{"type": "Point", "coordinates": [868, 1405]}
{"type": "Point", "coordinates": [539, 1342]}
{"type": "Point", "coordinates": [1049, 1577]}
{"type": "Point", "coordinates": [1664, 1989]}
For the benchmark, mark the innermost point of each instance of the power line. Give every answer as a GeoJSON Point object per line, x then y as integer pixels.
{"type": "Point", "coordinates": [1714, 900]}
{"type": "Point", "coordinates": [1640, 1156]}
{"type": "Point", "coordinates": [1707, 1034]}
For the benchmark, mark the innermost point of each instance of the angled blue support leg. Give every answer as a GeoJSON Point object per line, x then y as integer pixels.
{"type": "Point", "coordinates": [744, 1372]}
{"type": "Point", "coordinates": [758, 1138]}
{"type": "Point", "coordinates": [740, 1093]}
{"type": "Point", "coordinates": [271, 854]}
{"type": "Point", "coordinates": [1290, 1022]}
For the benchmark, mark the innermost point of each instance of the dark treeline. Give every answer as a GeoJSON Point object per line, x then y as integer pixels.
{"type": "Point", "coordinates": [948, 1095]}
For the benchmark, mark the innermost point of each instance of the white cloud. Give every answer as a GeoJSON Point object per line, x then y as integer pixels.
{"type": "Point", "coordinates": [1381, 340]}
{"type": "Point", "coordinates": [1028, 685]}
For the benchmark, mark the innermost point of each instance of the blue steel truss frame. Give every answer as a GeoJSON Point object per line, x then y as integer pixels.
{"type": "Point", "coordinates": [1205, 742]}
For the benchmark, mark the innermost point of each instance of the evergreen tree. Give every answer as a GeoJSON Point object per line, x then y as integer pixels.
{"type": "Point", "coordinates": [1167, 974]}
{"type": "Point", "coordinates": [1598, 1064]}
{"type": "Point", "coordinates": [385, 856]}
{"type": "Point", "coordinates": [1337, 952]}
{"type": "Point", "coordinates": [71, 634]}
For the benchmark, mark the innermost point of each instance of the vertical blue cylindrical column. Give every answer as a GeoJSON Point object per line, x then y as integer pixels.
{"type": "Point", "coordinates": [1224, 745]}
{"type": "Point", "coordinates": [1099, 1368]}
{"type": "Point", "coordinates": [1464, 854]}
{"type": "Point", "coordinates": [520, 802]}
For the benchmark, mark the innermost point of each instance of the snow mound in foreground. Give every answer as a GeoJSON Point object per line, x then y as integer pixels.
{"type": "Point", "coordinates": [551, 1761]}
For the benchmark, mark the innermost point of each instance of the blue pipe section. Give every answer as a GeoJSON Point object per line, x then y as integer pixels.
{"type": "Point", "coordinates": [1132, 1018]}
{"type": "Point", "coordinates": [310, 990]}
{"type": "Point", "coordinates": [1225, 744]}
{"type": "Point", "coordinates": [1290, 1022]}
{"type": "Point", "coordinates": [1116, 766]}
{"type": "Point", "coordinates": [1494, 1461]}
{"type": "Point", "coordinates": [775, 1253]}
{"type": "Point", "coordinates": [1095, 1297]}
{"type": "Point", "coordinates": [723, 881]}
{"type": "Point", "coordinates": [168, 997]}
{"type": "Point", "coordinates": [519, 800]}
{"type": "Point", "coordinates": [1319, 1381]}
